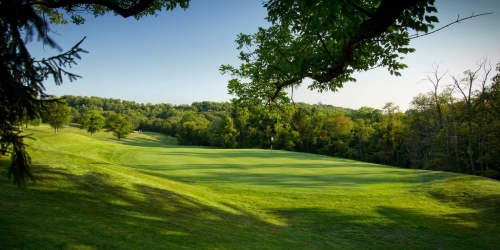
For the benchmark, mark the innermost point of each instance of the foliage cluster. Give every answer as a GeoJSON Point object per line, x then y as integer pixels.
{"type": "Point", "coordinates": [118, 125]}
{"type": "Point", "coordinates": [92, 121]}
{"type": "Point", "coordinates": [57, 114]}
{"type": "Point", "coordinates": [326, 41]}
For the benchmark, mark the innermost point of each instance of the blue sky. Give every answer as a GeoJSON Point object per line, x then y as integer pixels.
{"type": "Point", "coordinates": [175, 57]}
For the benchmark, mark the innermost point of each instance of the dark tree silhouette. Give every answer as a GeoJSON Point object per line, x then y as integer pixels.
{"type": "Point", "coordinates": [22, 93]}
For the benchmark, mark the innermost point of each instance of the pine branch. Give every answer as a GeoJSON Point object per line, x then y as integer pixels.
{"type": "Point", "coordinates": [53, 66]}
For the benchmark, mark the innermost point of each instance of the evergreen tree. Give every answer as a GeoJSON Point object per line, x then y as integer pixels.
{"type": "Point", "coordinates": [21, 85]}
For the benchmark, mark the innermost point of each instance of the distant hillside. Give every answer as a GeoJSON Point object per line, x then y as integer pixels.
{"type": "Point", "coordinates": [437, 134]}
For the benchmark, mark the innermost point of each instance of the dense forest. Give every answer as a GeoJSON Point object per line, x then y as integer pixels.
{"type": "Point", "coordinates": [454, 128]}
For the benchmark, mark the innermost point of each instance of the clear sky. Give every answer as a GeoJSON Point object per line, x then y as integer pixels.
{"type": "Point", "coordinates": [175, 57]}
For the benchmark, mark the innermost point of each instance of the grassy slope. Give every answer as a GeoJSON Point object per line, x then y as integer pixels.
{"type": "Point", "coordinates": [93, 192]}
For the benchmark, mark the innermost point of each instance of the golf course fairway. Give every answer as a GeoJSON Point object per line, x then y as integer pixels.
{"type": "Point", "coordinates": [147, 192]}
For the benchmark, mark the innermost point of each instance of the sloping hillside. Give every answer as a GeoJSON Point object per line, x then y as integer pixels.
{"type": "Point", "coordinates": [94, 192]}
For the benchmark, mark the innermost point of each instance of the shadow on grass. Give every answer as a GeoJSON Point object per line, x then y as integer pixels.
{"type": "Point", "coordinates": [152, 140]}
{"type": "Point", "coordinates": [388, 228]}
{"type": "Point", "coordinates": [92, 211]}
{"type": "Point", "coordinates": [286, 175]}
{"type": "Point", "coordinates": [146, 142]}
{"type": "Point", "coordinates": [4, 164]}
{"type": "Point", "coordinates": [249, 153]}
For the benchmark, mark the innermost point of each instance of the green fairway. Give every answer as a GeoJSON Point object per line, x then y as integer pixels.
{"type": "Point", "coordinates": [146, 192]}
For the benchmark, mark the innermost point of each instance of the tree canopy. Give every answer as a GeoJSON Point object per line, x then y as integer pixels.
{"type": "Point", "coordinates": [57, 114]}
{"type": "Point", "coordinates": [326, 41]}
{"type": "Point", "coordinates": [55, 9]}
{"type": "Point", "coordinates": [92, 121]}
{"type": "Point", "coordinates": [119, 126]}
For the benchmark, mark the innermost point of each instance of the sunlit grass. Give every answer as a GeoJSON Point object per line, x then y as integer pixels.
{"type": "Point", "coordinates": [146, 192]}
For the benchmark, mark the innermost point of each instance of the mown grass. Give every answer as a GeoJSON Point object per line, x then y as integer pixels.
{"type": "Point", "coordinates": [94, 192]}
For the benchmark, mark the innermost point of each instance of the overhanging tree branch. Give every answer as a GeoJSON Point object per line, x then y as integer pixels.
{"type": "Point", "coordinates": [382, 19]}
{"type": "Point", "coordinates": [434, 31]}
{"type": "Point", "coordinates": [387, 15]}
{"type": "Point", "coordinates": [124, 12]}
{"type": "Point", "coordinates": [360, 9]}
{"type": "Point", "coordinates": [457, 21]}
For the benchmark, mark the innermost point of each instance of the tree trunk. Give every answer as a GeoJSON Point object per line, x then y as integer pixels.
{"type": "Point", "coordinates": [360, 150]}
{"type": "Point", "coordinates": [453, 126]}
{"type": "Point", "coordinates": [471, 154]}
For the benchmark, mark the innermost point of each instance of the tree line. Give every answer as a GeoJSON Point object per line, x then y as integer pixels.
{"type": "Point", "coordinates": [453, 128]}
